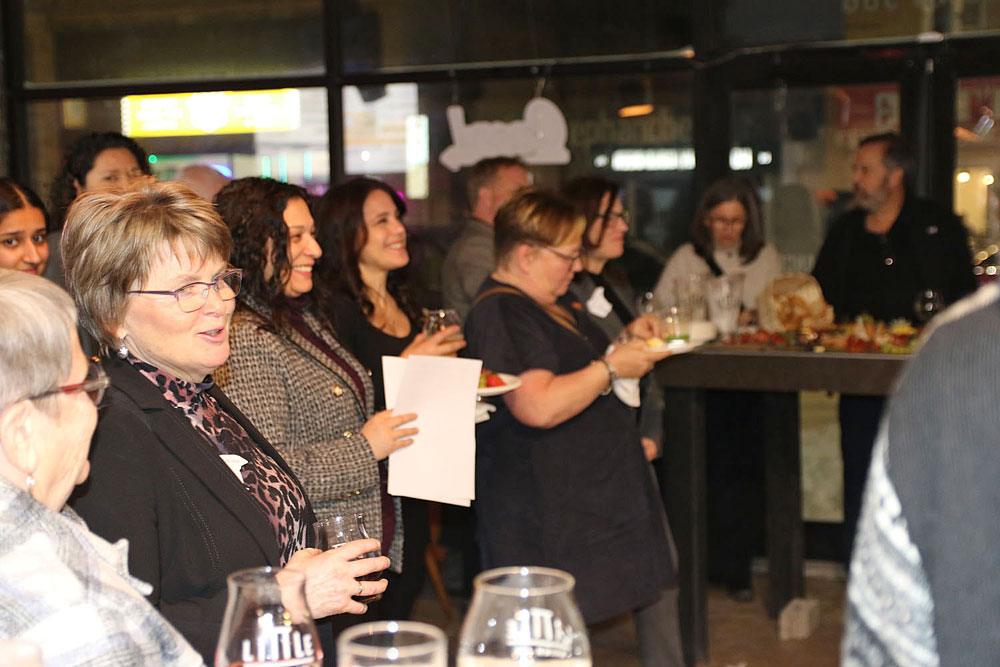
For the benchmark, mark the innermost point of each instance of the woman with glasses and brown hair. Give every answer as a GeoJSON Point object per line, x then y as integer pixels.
{"type": "Point", "coordinates": [62, 588]}
{"type": "Point", "coordinates": [603, 290]}
{"type": "Point", "coordinates": [177, 469]}
{"type": "Point", "coordinates": [727, 236]}
{"type": "Point", "coordinates": [561, 480]}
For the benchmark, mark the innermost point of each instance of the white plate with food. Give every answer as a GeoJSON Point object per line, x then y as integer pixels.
{"type": "Point", "coordinates": [675, 346]}
{"type": "Point", "coordinates": [491, 388]}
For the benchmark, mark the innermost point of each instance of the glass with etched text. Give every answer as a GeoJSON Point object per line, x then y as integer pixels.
{"type": "Point", "coordinates": [267, 621]}
{"type": "Point", "coordinates": [392, 643]}
{"type": "Point", "coordinates": [524, 616]}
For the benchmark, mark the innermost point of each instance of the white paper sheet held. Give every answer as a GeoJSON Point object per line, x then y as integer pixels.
{"type": "Point", "coordinates": [440, 465]}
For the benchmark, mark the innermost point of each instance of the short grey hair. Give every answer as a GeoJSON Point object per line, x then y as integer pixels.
{"type": "Point", "coordinates": [36, 337]}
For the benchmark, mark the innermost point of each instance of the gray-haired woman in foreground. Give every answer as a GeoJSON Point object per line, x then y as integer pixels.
{"type": "Point", "coordinates": [62, 587]}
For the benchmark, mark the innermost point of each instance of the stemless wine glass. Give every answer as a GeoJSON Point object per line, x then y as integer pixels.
{"type": "Point", "coordinates": [524, 616]}
{"type": "Point", "coordinates": [395, 643]}
{"type": "Point", "coordinates": [725, 297]}
{"type": "Point", "coordinates": [337, 531]}
{"type": "Point", "coordinates": [267, 621]}
{"type": "Point", "coordinates": [435, 320]}
{"type": "Point", "coordinates": [928, 304]}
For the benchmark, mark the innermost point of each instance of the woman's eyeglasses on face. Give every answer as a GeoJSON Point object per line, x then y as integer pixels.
{"type": "Point", "coordinates": [193, 296]}
{"type": "Point", "coordinates": [726, 222]}
{"type": "Point", "coordinates": [569, 259]}
{"type": "Point", "coordinates": [94, 384]}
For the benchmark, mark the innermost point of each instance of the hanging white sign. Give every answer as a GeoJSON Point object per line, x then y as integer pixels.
{"type": "Point", "coordinates": [538, 138]}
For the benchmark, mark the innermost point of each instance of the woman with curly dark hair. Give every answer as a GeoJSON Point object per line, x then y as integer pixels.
{"type": "Point", "coordinates": [360, 228]}
{"type": "Point", "coordinates": [97, 161]}
{"type": "Point", "coordinates": [289, 373]}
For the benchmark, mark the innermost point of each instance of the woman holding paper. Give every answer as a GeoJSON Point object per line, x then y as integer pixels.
{"type": "Point", "coordinates": [288, 372]}
{"type": "Point", "coordinates": [561, 479]}
{"type": "Point", "coordinates": [360, 229]}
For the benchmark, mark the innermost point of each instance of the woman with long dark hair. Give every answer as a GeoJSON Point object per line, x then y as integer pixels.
{"type": "Point", "coordinates": [360, 229]}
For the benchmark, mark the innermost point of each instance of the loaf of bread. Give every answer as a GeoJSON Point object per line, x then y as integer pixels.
{"type": "Point", "coordinates": [793, 301]}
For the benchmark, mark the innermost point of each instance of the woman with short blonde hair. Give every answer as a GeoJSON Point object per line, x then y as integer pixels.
{"type": "Point", "coordinates": [176, 467]}
{"type": "Point", "coordinates": [561, 478]}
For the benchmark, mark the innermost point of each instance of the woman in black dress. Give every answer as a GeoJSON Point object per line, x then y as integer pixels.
{"type": "Point", "coordinates": [561, 479]}
{"type": "Point", "coordinates": [359, 227]}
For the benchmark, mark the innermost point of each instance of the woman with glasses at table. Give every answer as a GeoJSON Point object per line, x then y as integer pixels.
{"type": "Point", "coordinates": [561, 480]}
{"type": "Point", "coordinates": [63, 589]}
{"type": "Point", "coordinates": [175, 467]}
{"type": "Point", "coordinates": [727, 236]}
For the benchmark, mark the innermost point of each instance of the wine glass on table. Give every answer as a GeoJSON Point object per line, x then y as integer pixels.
{"type": "Point", "coordinates": [524, 616]}
{"type": "Point", "coordinates": [395, 643]}
{"type": "Point", "coordinates": [267, 621]}
{"type": "Point", "coordinates": [928, 304]}
{"type": "Point", "coordinates": [337, 531]}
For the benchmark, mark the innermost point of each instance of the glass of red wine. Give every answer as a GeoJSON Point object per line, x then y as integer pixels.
{"type": "Point", "coordinates": [338, 530]}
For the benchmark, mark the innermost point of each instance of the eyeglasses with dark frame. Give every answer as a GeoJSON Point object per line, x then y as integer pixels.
{"type": "Point", "coordinates": [94, 384]}
{"type": "Point", "coordinates": [572, 259]}
{"type": "Point", "coordinates": [193, 296]}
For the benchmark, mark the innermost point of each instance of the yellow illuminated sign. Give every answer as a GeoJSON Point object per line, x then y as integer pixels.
{"type": "Point", "coordinates": [224, 112]}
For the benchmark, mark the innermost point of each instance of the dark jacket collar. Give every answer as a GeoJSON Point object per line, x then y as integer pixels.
{"type": "Point", "coordinates": [177, 435]}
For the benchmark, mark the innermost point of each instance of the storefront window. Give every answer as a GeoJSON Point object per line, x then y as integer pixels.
{"type": "Point", "coordinates": [382, 35]}
{"type": "Point", "coordinates": [148, 40]}
{"type": "Point", "coordinates": [276, 133]}
{"type": "Point", "coordinates": [401, 133]}
{"type": "Point", "coordinates": [796, 145]}
{"type": "Point", "coordinates": [977, 162]}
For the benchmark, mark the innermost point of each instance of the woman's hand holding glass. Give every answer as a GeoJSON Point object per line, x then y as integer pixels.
{"type": "Point", "coordinates": [332, 577]}
{"type": "Point", "coordinates": [444, 342]}
{"type": "Point", "coordinates": [385, 433]}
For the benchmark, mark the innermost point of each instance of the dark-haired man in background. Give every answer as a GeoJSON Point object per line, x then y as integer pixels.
{"type": "Point", "coordinates": [878, 259]}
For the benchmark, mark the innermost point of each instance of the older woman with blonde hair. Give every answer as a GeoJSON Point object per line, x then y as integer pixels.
{"type": "Point", "coordinates": [62, 588]}
{"type": "Point", "coordinates": [561, 479]}
{"type": "Point", "coordinates": [176, 467]}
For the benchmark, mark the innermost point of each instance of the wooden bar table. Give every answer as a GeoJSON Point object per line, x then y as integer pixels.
{"type": "Point", "coordinates": [779, 375]}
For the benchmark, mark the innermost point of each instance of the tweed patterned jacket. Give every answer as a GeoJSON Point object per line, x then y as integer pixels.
{"type": "Point", "coordinates": [311, 411]}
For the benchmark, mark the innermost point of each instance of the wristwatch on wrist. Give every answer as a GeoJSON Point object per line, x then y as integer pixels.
{"type": "Point", "coordinates": [612, 375]}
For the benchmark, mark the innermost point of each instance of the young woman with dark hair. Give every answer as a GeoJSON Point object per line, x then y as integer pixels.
{"type": "Point", "coordinates": [23, 228]}
{"type": "Point", "coordinates": [360, 228]}
{"type": "Point", "coordinates": [97, 161]}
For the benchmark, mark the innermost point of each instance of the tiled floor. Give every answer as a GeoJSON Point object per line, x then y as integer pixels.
{"type": "Point", "coordinates": [740, 633]}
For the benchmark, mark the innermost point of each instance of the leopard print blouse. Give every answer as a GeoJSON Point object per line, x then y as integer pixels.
{"type": "Point", "coordinates": [279, 495]}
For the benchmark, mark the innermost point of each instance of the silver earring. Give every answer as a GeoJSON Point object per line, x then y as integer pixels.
{"type": "Point", "coordinates": [29, 481]}
{"type": "Point", "coordinates": [122, 349]}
